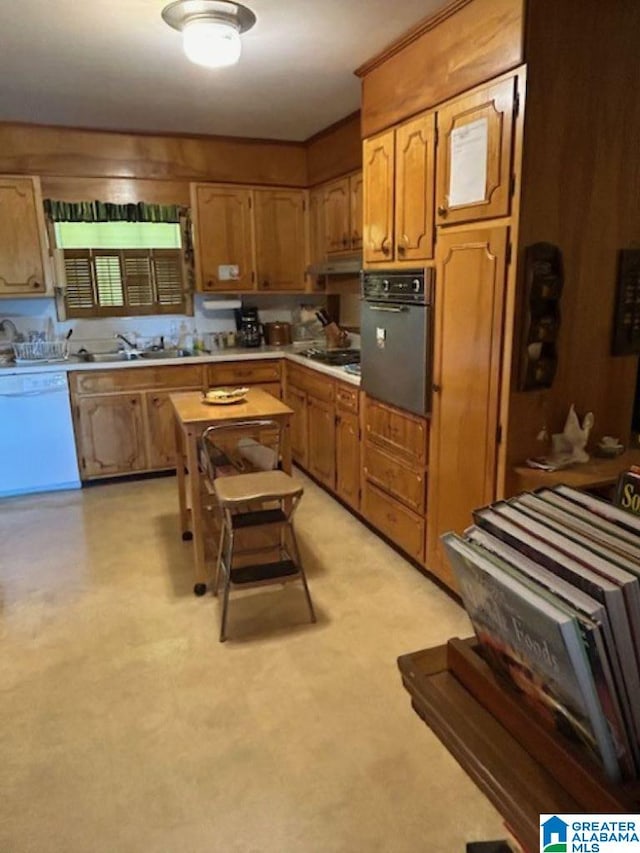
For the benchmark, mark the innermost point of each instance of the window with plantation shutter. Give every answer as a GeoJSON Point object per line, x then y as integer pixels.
{"type": "Point", "coordinates": [123, 282]}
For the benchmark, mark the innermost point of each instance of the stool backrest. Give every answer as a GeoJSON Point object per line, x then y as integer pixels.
{"type": "Point", "coordinates": [240, 447]}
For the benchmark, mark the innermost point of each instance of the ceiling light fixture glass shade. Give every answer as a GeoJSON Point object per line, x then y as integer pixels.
{"type": "Point", "coordinates": [210, 29]}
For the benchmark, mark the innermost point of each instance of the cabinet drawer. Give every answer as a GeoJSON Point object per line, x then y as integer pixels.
{"type": "Point", "coordinates": [347, 397]}
{"type": "Point", "coordinates": [399, 433]}
{"type": "Point", "coordinates": [126, 379]}
{"type": "Point", "coordinates": [400, 481]}
{"type": "Point", "coordinates": [251, 372]}
{"type": "Point", "coordinates": [394, 520]}
{"type": "Point", "coordinates": [315, 383]}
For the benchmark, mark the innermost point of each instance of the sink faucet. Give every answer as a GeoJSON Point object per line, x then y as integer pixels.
{"type": "Point", "coordinates": [126, 340]}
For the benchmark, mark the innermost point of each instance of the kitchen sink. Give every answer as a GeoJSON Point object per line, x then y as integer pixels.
{"type": "Point", "coordinates": [128, 355]}
{"type": "Point", "coordinates": [104, 356]}
{"type": "Point", "coordinates": [163, 353]}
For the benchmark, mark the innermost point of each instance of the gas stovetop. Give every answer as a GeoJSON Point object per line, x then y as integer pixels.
{"type": "Point", "coordinates": [338, 357]}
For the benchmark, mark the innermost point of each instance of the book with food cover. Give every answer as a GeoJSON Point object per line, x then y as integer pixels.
{"type": "Point", "coordinates": [628, 491]}
{"type": "Point", "coordinates": [615, 567]}
{"type": "Point", "coordinates": [604, 591]}
{"type": "Point", "coordinates": [596, 635]}
{"type": "Point", "coordinates": [535, 645]}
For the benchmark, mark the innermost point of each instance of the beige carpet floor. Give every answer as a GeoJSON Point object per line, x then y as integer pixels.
{"type": "Point", "coordinates": [125, 727]}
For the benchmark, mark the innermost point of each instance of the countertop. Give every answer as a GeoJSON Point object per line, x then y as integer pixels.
{"type": "Point", "coordinates": [231, 354]}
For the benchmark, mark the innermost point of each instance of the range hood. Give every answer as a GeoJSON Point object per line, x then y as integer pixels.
{"type": "Point", "coordinates": [347, 265]}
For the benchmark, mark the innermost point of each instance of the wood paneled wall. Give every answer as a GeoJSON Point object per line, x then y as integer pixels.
{"type": "Point", "coordinates": [335, 151]}
{"type": "Point", "coordinates": [581, 191]}
{"type": "Point", "coordinates": [469, 42]}
{"type": "Point", "coordinates": [77, 165]}
{"type": "Point", "coordinates": [71, 153]}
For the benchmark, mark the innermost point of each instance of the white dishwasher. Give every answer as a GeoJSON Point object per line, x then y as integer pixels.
{"type": "Point", "coordinates": [37, 447]}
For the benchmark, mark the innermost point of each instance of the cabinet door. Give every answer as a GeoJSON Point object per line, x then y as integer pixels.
{"type": "Point", "coordinates": [161, 431]}
{"type": "Point", "coordinates": [415, 188]}
{"type": "Point", "coordinates": [321, 431]}
{"type": "Point", "coordinates": [355, 198]}
{"type": "Point", "coordinates": [317, 226]}
{"type": "Point", "coordinates": [23, 255]}
{"type": "Point", "coordinates": [348, 458]}
{"type": "Point", "coordinates": [470, 285]}
{"type": "Point", "coordinates": [474, 154]}
{"type": "Point", "coordinates": [297, 400]}
{"type": "Point", "coordinates": [336, 216]}
{"type": "Point", "coordinates": [378, 172]}
{"type": "Point", "coordinates": [110, 434]}
{"type": "Point", "coordinates": [222, 218]}
{"type": "Point", "coordinates": [280, 239]}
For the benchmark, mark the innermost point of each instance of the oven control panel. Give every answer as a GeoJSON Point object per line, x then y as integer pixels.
{"type": "Point", "coordinates": [413, 286]}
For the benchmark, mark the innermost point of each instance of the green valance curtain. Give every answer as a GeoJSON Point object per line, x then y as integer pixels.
{"type": "Point", "coordinates": [102, 211]}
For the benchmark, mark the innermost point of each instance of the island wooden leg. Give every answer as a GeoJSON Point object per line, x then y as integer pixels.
{"type": "Point", "coordinates": [200, 585]}
{"type": "Point", "coordinates": [185, 526]}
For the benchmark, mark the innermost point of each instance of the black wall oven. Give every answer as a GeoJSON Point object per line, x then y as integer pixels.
{"type": "Point", "coordinates": [396, 337]}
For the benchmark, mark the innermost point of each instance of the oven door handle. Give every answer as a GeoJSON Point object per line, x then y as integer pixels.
{"type": "Point", "coordinates": [387, 309]}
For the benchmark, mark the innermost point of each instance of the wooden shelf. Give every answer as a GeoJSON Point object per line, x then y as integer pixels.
{"type": "Point", "coordinates": [593, 474]}
{"type": "Point", "coordinates": [523, 769]}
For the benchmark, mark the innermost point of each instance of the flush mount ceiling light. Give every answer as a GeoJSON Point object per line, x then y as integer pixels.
{"type": "Point", "coordinates": [210, 29]}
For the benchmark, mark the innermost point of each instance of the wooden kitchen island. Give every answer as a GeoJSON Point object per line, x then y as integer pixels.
{"type": "Point", "coordinates": [193, 416]}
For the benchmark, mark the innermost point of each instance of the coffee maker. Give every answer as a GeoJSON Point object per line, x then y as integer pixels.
{"type": "Point", "coordinates": [248, 326]}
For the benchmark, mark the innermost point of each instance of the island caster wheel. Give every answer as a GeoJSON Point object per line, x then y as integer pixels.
{"type": "Point", "coordinates": [200, 589]}
{"type": "Point", "coordinates": [187, 536]}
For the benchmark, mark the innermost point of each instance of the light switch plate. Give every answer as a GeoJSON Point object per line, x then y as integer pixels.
{"type": "Point", "coordinates": [228, 272]}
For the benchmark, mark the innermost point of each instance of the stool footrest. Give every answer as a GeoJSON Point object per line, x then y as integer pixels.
{"type": "Point", "coordinates": [254, 518]}
{"type": "Point", "coordinates": [263, 572]}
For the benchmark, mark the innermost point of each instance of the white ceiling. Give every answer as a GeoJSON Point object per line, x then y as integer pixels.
{"type": "Point", "coordinates": [115, 64]}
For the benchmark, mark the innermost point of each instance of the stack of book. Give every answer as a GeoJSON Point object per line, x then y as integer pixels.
{"type": "Point", "coordinates": [551, 582]}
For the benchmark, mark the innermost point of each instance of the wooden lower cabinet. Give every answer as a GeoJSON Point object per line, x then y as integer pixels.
{"type": "Point", "coordinates": [321, 432]}
{"type": "Point", "coordinates": [161, 432]}
{"type": "Point", "coordinates": [348, 458]}
{"type": "Point", "coordinates": [394, 520]}
{"type": "Point", "coordinates": [394, 474]}
{"type": "Point", "coordinates": [400, 481]}
{"type": "Point", "coordinates": [297, 401]}
{"type": "Point", "coordinates": [110, 432]}
{"type": "Point", "coordinates": [124, 418]}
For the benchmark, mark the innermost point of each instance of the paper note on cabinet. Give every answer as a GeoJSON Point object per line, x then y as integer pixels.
{"type": "Point", "coordinates": [468, 179]}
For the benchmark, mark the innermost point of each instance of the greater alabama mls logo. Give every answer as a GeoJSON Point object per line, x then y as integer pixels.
{"type": "Point", "coordinates": [554, 835]}
{"type": "Point", "coordinates": [589, 833]}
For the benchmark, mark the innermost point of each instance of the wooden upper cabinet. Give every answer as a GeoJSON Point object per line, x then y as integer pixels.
{"type": "Point", "coordinates": [378, 164]}
{"type": "Point", "coordinates": [222, 218]}
{"type": "Point", "coordinates": [281, 239]}
{"type": "Point", "coordinates": [399, 177]}
{"type": "Point", "coordinates": [343, 214]}
{"type": "Point", "coordinates": [317, 247]}
{"type": "Point", "coordinates": [355, 199]}
{"type": "Point", "coordinates": [470, 286]}
{"type": "Point", "coordinates": [337, 230]}
{"type": "Point", "coordinates": [474, 171]}
{"type": "Point", "coordinates": [414, 188]}
{"type": "Point", "coordinates": [24, 258]}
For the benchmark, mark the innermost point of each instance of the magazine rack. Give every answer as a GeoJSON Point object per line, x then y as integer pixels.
{"type": "Point", "coordinates": [524, 769]}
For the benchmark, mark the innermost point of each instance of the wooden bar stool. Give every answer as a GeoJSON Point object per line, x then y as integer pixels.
{"type": "Point", "coordinates": [258, 500]}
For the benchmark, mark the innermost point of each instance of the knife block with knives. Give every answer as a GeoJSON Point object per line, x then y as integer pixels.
{"type": "Point", "coordinates": [336, 337]}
